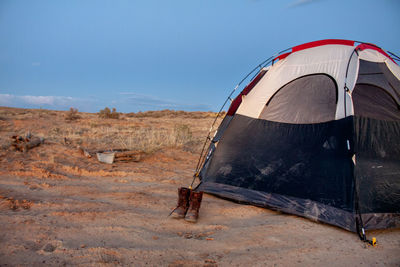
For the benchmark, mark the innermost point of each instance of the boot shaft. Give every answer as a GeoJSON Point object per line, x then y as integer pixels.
{"type": "Point", "coordinates": [183, 197]}
{"type": "Point", "coordinates": [195, 200]}
{"type": "Point", "coordinates": [183, 203]}
{"type": "Point", "coordinates": [193, 211]}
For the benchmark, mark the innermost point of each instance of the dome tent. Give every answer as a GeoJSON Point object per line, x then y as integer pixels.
{"type": "Point", "coordinates": [316, 134]}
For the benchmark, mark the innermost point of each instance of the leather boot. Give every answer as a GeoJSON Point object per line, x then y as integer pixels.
{"type": "Point", "coordinates": [195, 201]}
{"type": "Point", "coordinates": [183, 203]}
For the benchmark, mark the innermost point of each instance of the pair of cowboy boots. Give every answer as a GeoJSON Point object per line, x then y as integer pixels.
{"type": "Point", "coordinates": [188, 206]}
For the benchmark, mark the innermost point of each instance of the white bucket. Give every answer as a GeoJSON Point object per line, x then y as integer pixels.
{"type": "Point", "coordinates": [106, 157]}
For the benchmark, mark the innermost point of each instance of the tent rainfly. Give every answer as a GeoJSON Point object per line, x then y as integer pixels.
{"type": "Point", "coordinates": [316, 134]}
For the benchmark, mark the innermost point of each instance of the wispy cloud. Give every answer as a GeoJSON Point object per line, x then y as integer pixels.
{"type": "Point", "coordinates": [35, 64]}
{"type": "Point", "coordinates": [298, 3]}
{"type": "Point", "coordinates": [30, 101]}
{"type": "Point", "coordinates": [146, 102]}
{"type": "Point", "coordinates": [37, 100]}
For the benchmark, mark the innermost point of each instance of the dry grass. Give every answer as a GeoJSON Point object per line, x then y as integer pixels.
{"type": "Point", "coordinates": [150, 139]}
{"type": "Point", "coordinates": [173, 113]}
{"type": "Point", "coordinates": [147, 131]}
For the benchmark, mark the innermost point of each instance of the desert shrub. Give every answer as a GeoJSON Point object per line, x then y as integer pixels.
{"type": "Point", "coordinates": [106, 113]}
{"type": "Point", "coordinates": [72, 115]}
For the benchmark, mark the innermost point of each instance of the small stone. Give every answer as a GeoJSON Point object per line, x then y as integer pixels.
{"type": "Point", "coordinates": [49, 248]}
{"type": "Point", "coordinates": [188, 235]}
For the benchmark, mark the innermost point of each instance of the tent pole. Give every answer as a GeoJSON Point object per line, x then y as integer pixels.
{"type": "Point", "coordinates": [202, 154]}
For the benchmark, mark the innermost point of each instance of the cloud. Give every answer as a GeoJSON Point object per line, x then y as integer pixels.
{"type": "Point", "coordinates": [5, 99]}
{"type": "Point", "coordinates": [124, 102]}
{"type": "Point", "coordinates": [30, 101]}
{"type": "Point", "coordinates": [37, 100]}
{"type": "Point", "coordinates": [36, 64]}
{"type": "Point", "coordinates": [147, 102]}
{"type": "Point", "coordinates": [301, 3]}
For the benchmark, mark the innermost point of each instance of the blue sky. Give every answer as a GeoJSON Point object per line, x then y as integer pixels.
{"type": "Point", "coordinates": [138, 55]}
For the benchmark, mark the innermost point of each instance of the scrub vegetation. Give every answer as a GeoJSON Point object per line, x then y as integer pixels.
{"type": "Point", "coordinates": [72, 115]}
{"type": "Point", "coordinates": [106, 113]}
{"type": "Point", "coordinates": [148, 131]}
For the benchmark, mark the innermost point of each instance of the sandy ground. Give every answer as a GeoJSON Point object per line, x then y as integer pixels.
{"type": "Point", "coordinates": [58, 208]}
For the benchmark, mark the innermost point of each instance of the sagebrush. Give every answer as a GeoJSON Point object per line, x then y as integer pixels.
{"type": "Point", "coordinates": [72, 115]}
{"type": "Point", "coordinates": [106, 113]}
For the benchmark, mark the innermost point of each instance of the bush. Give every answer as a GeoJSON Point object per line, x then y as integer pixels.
{"type": "Point", "coordinates": [106, 113]}
{"type": "Point", "coordinates": [72, 115]}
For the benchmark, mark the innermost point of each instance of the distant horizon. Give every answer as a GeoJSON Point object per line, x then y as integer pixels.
{"type": "Point", "coordinates": [161, 110]}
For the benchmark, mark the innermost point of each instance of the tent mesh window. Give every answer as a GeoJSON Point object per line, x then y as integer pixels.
{"type": "Point", "coordinates": [377, 92]}
{"type": "Point", "coordinates": [308, 99]}
{"type": "Point", "coordinates": [374, 102]}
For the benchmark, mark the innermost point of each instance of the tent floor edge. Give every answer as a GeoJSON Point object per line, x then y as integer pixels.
{"type": "Point", "coordinates": [306, 208]}
{"type": "Point", "coordinates": [302, 207]}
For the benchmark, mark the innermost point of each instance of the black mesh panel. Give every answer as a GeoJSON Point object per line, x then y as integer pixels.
{"type": "Point", "coordinates": [377, 140]}
{"type": "Point", "coordinates": [308, 161]}
{"type": "Point", "coordinates": [377, 169]}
